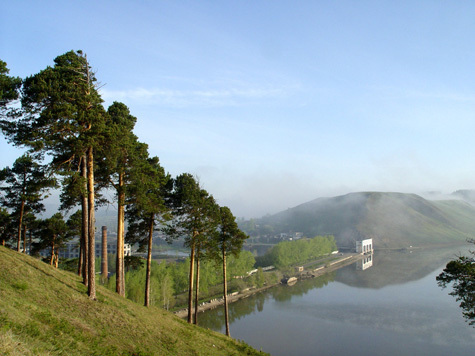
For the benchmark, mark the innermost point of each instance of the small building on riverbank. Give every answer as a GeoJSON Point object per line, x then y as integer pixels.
{"type": "Point", "coordinates": [364, 246]}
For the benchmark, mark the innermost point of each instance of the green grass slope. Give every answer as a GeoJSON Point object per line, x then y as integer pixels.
{"type": "Point", "coordinates": [44, 311]}
{"type": "Point", "coordinates": [393, 220]}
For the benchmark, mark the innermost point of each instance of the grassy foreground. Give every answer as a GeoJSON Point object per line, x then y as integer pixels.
{"type": "Point", "coordinates": [44, 311]}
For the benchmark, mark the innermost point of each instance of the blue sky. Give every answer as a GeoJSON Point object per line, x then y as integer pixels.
{"type": "Point", "coordinates": [275, 103]}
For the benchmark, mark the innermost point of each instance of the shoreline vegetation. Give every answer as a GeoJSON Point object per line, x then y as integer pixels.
{"type": "Point", "coordinates": [324, 266]}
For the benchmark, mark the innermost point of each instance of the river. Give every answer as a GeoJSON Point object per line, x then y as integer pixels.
{"type": "Point", "coordinates": [392, 307]}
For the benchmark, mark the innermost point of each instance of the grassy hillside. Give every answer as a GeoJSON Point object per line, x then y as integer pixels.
{"type": "Point", "coordinates": [44, 311]}
{"type": "Point", "coordinates": [393, 220]}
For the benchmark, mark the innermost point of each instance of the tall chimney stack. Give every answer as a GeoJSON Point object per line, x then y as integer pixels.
{"type": "Point", "coordinates": [104, 272]}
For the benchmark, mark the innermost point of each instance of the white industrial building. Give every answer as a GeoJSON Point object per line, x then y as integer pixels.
{"type": "Point", "coordinates": [365, 246]}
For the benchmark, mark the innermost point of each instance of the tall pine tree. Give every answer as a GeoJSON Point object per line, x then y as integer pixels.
{"type": "Point", "coordinates": [122, 151]}
{"type": "Point", "coordinates": [147, 210]}
{"type": "Point", "coordinates": [62, 115]}
{"type": "Point", "coordinates": [194, 211]}
{"type": "Point", "coordinates": [24, 186]}
{"type": "Point", "coordinates": [228, 239]}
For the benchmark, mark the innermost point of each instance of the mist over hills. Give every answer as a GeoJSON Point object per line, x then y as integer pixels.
{"type": "Point", "coordinates": [467, 195]}
{"type": "Point", "coordinates": [393, 220]}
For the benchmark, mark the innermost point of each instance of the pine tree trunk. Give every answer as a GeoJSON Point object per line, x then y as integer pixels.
{"type": "Point", "coordinates": [190, 281]}
{"type": "Point", "coordinates": [120, 275]}
{"type": "Point", "coordinates": [225, 293]}
{"type": "Point", "coordinates": [84, 243]}
{"type": "Point", "coordinates": [149, 262]}
{"type": "Point", "coordinates": [22, 209]}
{"type": "Point", "coordinates": [197, 288]}
{"type": "Point", "coordinates": [24, 239]}
{"type": "Point", "coordinates": [91, 288]}
{"type": "Point", "coordinates": [52, 251]}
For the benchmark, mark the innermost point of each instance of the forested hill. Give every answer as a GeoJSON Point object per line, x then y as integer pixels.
{"type": "Point", "coordinates": [46, 311]}
{"type": "Point", "coordinates": [393, 220]}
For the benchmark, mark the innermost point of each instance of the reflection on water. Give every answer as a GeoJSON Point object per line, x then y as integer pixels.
{"type": "Point", "coordinates": [399, 267]}
{"type": "Point", "coordinates": [365, 263]}
{"type": "Point", "coordinates": [214, 319]}
{"type": "Point", "coordinates": [393, 308]}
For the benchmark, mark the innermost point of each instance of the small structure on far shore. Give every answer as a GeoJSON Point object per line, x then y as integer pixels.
{"type": "Point", "coordinates": [289, 280]}
{"type": "Point", "coordinates": [365, 246]}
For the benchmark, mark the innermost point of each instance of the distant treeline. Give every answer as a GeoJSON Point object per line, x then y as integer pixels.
{"type": "Point", "coordinates": [287, 253]}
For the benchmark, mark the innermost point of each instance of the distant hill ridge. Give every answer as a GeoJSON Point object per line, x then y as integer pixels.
{"type": "Point", "coordinates": [393, 220]}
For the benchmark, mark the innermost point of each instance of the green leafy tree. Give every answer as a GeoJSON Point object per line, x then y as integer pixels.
{"type": "Point", "coordinates": [260, 278]}
{"type": "Point", "coordinates": [228, 239]}
{"type": "Point", "coordinates": [24, 186]}
{"type": "Point", "coordinates": [180, 276]}
{"type": "Point", "coordinates": [166, 291]}
{"type": "Point", "coordinates": [62, 115]}
{"type": "Point", "coordinates": [161, 290]}
{"type": "Point", "coordinates": [286, 253]}
{"type": "Point", "coordinates": [239, 265]}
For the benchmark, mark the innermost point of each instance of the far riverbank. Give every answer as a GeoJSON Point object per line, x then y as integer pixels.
{"type": "Point", "coordinates": [342, 261]}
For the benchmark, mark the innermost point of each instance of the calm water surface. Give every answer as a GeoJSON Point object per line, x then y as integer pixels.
{"type": "Point", "coordinates": [394, 307]}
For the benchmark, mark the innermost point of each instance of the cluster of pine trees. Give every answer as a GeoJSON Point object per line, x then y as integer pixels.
{"type": "Point", "coordinates": [76, 144]}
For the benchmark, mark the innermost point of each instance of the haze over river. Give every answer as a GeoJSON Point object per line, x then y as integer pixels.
{"type": "Point", "coordinates": [393, 307]}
